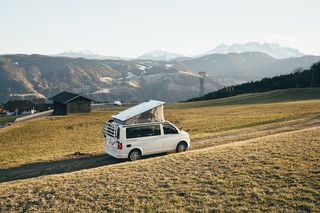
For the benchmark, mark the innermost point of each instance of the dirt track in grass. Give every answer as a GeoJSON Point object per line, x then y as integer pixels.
{"type": "Point", "coordinates": [81, 161]}
{"type": "Point", "coordinates": [274, 173]}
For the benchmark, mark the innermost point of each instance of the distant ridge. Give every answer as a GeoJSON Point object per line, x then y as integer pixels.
{"type": "Point", "coordinates": [297, 79]}
{"type": "Point", "coordinates": [274, 96]}
{"type": "Point", "coordinates": [160, 55]}
{"type": "Point", "coordinates": [87, 54]}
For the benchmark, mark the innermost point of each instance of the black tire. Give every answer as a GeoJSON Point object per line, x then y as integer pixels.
{"type": "Point", "coordinates": [182, 147]}
{"type": "Point", "coordinates": [134, 155]}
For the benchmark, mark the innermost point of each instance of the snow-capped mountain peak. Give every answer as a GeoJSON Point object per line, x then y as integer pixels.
{"type": "Point", "coordinates": [81, 53]}
{"type": "Point", "coordinates": [88, 54]}
{"type": "Point", "coordinates": [160, 55]}
{"type": "Point", "coordinates": [272, 49]}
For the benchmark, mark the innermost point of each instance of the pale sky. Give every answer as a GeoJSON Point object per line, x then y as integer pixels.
{"type": "Point", "coordinates": [129, 28]}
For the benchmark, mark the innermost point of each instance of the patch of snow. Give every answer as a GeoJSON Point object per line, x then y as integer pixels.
{"type": "Point", "coordinates": [188, 73]}
{"type": "Point", "coordinates": [130, 75]}
{"type": "Point", "coordinates": [133, 84]}
{"type": "Point", "coordinates": [23, 95]}
{"type": "Point", "coordinates": [106, 79]}
{"type": "Point", "coordinates": [141, 67]}
{"type": "Point", "coordinates": [102, 91]}
{"type": "Point", "coordinates": [169, 65]}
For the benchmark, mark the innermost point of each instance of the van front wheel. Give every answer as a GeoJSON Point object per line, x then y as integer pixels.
{"type": "Point", "coordinates": [134, 155]}
{"type": "Point", "coordinates": [182, 146]}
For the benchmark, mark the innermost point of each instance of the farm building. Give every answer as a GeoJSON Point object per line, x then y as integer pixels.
{"type": "Point", "coordinates": [43, 107]}
{"type": "Point", "coordinates": [19, 107]}
{"type": "Point", "coordinates": [65, 103]}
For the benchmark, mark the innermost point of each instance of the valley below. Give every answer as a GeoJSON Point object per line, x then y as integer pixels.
{"type": "Point", "coordinates": [136, 80]}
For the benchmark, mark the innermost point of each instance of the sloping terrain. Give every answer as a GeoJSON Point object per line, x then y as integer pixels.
{"type": "Point", "coordinates": [59, 138]}
{"type": "Point", "coordinates": [29, 76]}
{"type": "Point", "coordinates": [298, 79]}
{"type": "Point", "coordinates": [104, 80]}
{"type": "Point", "coordinates": [273, 173]}
{"type": "Point", "coordinates": [247, 66]}
{"type": "Point", "coordinates": [241, 66]}
{"type": "Point", "coordinates": [275, 96]}
{"type": "Point", "coordinates": [252, 156]}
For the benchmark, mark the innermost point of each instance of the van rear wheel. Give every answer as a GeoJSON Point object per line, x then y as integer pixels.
{"type": "Point", "coordinates": [182, 147]}
{"type": "Point", "coordinates": [134, 155]}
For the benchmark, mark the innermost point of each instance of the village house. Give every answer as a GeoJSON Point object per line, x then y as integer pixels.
{"type": "Point", "coordinates": [19, 107]}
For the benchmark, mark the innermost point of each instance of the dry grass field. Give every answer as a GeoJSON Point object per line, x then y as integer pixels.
{"type": "Point", "coordinates": [258, 155]}
{"type": "Point", "coordinates": [53, 138]}
{"type": "Point", "coordinates": [273, 173]}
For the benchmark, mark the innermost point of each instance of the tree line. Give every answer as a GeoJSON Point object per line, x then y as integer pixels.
{"type": "Point", "coordinates": [299, 78]}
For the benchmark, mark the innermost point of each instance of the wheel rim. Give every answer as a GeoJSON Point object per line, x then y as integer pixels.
{"type": "Point", "coordinates": [134, 155]}
{"type": "Point", "coordinates": [181, 148]}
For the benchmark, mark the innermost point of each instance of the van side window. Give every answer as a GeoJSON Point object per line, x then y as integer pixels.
{"type": "Point", "coordinates": [169, 129]}
{"type": "Point", "coordinates": [143, 131]}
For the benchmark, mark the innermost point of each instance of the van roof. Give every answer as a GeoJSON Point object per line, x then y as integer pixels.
{"type": "Point", "coordinates": [138, 109]}
{"type": "Point", "coordinates": [142, 124]}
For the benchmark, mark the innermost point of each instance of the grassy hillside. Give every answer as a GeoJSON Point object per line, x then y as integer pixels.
{"type": "Point", "coordinates": [275, 96]}
{"type": "Point", "coordinates": [273, 173]}
{"type": "Point", "coordinates": [54, 138]}
{"type": "Point", "coordinates": [296, 79]}
{"type": "Point", "coordinates": [8, 119]}
{"type": "Point", "coordinates": [240, 160]}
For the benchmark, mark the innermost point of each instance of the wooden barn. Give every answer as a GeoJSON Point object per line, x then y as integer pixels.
{"type": "Point", "coordinates": [65, 103]}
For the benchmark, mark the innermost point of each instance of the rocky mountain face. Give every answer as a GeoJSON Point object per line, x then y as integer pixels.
{"type": "Point", "coordinates": [272, 49]}
{"type": "Point", "coordinates": [247, 66]}
{"type": "Point", "coordinates": [28, 76]}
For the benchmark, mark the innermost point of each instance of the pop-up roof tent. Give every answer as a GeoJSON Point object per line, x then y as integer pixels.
{"type": "Point", "coordinates": [150, 111]}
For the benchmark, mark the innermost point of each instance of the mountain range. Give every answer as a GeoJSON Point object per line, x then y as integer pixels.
{"type": "Point", "coordinates": [29, 76]}
{"type": "Point", "coordinates": [272, 49]}
{"type": "Point", "coordinates": [160, 55]}
{"type": "Point", "coordinates": [87, 54]}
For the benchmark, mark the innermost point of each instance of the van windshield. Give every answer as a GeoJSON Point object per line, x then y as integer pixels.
{"type": "Point", "coordinates": [169, 129]}
{"type": "Point", "coordinates": [143, 131]}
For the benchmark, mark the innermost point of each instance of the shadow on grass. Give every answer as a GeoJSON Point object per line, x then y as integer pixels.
{"type": "Point", "coordinates": [60, 166]}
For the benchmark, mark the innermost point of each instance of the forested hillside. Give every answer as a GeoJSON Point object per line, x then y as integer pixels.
{"type": "Point", "coordinates": [297, 79]}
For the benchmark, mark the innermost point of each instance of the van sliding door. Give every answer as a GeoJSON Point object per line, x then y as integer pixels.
{"type": "Point", "coordinates": [148, 138]}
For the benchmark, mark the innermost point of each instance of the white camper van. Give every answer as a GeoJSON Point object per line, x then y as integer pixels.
{"type": "Point", "coordinates": [142, 130]}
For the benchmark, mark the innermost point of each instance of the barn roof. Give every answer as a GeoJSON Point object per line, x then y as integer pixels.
{"type": "Point", "coordinates": [65, 97]}
{"type": "Point", "coordinates": [138, 109]}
